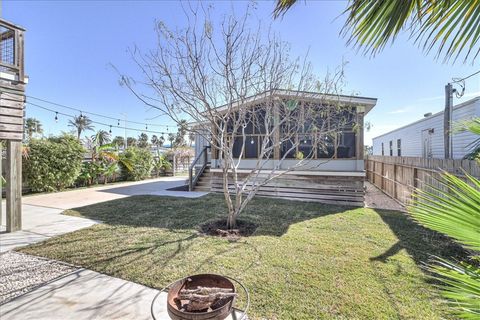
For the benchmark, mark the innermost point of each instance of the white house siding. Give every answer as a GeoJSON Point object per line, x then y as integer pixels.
{"type": "Point", "coordinates": [411, 135]}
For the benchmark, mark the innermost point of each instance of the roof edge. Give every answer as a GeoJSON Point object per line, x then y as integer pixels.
{"type": "Point", "coordinates": [458, 106]}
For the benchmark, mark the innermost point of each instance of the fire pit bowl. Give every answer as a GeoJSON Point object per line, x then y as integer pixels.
{"type": "Point", "coordinates": [219, 311]}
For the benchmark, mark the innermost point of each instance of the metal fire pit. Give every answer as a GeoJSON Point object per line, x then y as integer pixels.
{"type": "Point", "coordinates": [164, 307]}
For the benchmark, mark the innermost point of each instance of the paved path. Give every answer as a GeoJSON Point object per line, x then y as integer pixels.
{"type": "Point", "coordinates": [42, 216]}
{"type": "Point", "coordinates": [83, 197]}
{"type": "Point", "coordinates": [82, 294]}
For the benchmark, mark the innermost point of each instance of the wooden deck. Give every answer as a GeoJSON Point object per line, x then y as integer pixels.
{"type": "Point", "coordinates": [333, 188]}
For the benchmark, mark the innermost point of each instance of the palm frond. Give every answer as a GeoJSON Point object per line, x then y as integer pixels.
{"type": "Point", "coordinates": [282, 7]}
{"type": "Point", "coordinates": [460, 285]}
{"type": "Point", "coordinates": [451, 27]}
{"type": "Point", "coordinates": [453, 211]}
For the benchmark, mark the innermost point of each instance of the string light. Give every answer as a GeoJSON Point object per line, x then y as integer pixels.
{"type": "Point", "coordinates": [110, 131]}
{"type": "Point", "coordinates": [94, 114]}
{"type": "Point", "coordinates": [251, 141]}
{"type": "Point", "coordinates": [146, 126]}
{"type": "Point", "coordinates": [58, 113]}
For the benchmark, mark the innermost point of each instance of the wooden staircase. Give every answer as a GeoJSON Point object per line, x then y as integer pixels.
{"type": "Point", "coordinates": [204, 182]}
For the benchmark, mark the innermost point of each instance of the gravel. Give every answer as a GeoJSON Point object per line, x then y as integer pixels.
{"type": "Point", "coordinates": [21, 273]}
{"type": "Point", "coordinates": [376, 199]}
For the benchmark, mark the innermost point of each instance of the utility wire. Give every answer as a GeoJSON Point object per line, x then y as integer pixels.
{"type": "Point", "coordinates": [96, 122]}
{"type": "Point", "coordinates": [469, 76]}
{"type": "Point", "coordinates": [96, 114]}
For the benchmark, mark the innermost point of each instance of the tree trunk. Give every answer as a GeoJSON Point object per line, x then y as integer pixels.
{"type": "Point", "coordinates": [231, 221]}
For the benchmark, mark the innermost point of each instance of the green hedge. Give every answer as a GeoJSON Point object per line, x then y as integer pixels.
{"type": "Point", "coordinates": [52, 164]}
{"type": "Point", "coordinates": [141, 161]}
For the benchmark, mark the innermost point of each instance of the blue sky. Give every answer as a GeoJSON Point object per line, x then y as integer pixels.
{"type": "Point", "coordinates": [71, 45]}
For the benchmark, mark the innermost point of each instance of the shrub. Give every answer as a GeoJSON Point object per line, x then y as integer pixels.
{"type": "Point", "coordinates": [141, 161]}
{"type": "Point", "coordinates": [52, 164]}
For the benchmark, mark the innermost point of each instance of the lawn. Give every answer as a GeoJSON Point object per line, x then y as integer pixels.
{"type": "Point", "coordinates": [304, 261]}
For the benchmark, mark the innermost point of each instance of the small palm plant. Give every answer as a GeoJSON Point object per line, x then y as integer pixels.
{"type": "Point", "coordinates": [454, 209]}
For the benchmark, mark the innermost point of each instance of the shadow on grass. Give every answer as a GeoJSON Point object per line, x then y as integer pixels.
{"type": "Point", "coordinates": [420, 243]}
{"type": "Point", "coordinates": [272, 216]}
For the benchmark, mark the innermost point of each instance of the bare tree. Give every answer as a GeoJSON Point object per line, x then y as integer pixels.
{"type": "Point", "coordinates": [208, 74]}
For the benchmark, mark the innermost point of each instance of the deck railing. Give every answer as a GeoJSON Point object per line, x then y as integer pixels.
{"type": "Point", "coordinates": [11, 50]}
{"type": "Point", "coordinates": [197, 167]}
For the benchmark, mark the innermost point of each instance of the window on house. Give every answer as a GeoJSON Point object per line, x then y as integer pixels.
{"type": "Point", "coordinates": [399, 147]}
{"type": "Point", "coordinates": [383, 149]}
{"type": "Point", "coordinates": [391, 148]}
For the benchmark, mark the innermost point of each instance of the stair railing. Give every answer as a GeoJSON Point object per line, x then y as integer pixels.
{"type": "Point", "coordinates": [197, 167]}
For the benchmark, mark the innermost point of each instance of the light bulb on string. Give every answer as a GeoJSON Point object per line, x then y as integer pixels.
{"type": "Point", "coordinates": [110, 131]}
{"type": "Point", "coordinates": [251, 141]}
{"type": "Point", "coordinates": [146, 126]}
{"type": "Point", "coordinates": [56, 116]}
{"type": "Point", "coordinates": [118, 122]}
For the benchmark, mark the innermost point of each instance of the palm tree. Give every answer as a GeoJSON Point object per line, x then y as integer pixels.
{"type": "Point", "coordinates": [154, 140]}
{"type": "Point", "coordinates": [450, 27]}
{"type": "Point", "coordinates": [161, 141]}
{"type": "Point", "coordinates": [119, 141]}
{"type": "Point", "coordinates": [101, 137]}
{"type": "Point", "coordinates": [131, 142]}
{"type": "Point", "coordinates": [81, 123]}
{"type": "Point", "coordinates": [171, 138]}
{"type": "Point", "coordinates": [191, 137]}
{"type": "Point", "coordinates": [142, 140]}
{"type": "Point", "coordinates": [33, 125]}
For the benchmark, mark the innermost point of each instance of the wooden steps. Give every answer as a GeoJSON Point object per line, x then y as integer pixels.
{"type": "Point", "coordinates": [204, 181]}
{"type": "Point", "coordinates": [341, 190]}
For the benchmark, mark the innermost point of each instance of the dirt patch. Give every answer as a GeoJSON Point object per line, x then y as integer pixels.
{"type": "Point", "coordinates": [218, 228]}
{"type": "Point", "coordinates": [376, 199]}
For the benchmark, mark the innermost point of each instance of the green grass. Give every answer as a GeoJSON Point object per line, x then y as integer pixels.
{"type": "Point", "coordinates": [304, 261]}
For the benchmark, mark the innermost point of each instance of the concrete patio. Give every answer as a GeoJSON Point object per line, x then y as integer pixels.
{"type": "Point", "coordinates": [42, 216]}
{"type": "Point", "coordinates": [81, 294]}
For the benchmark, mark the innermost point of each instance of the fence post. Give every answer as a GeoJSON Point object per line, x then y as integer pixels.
{"type": "Point", "coordinates": [395, 181]}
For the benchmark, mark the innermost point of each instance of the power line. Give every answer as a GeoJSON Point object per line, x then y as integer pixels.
{"type": "Point", "coordinates": [96, 122]}
{"type": "Point", "coordinates": [465, 78]}
{"type": "Point", "coordinates": [96, 114]}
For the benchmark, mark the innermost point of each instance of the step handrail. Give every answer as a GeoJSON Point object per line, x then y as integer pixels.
{"type": "Point", "coordinates": [192, 180]}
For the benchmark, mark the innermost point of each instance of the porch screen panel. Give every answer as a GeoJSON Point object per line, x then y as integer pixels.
{"type": "Point", "coordinates": [325, 147]}
{"type": "Point", "coordinates": [251, 147]}
{"type": "Point", "coordinates": [287, 150]}
{"type": "Point", "coordinates": [346, 147]}
{"type": "Point", "coordinates": [237, 147]}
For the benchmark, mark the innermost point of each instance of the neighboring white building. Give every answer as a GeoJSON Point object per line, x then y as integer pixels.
{"type": "Point", "coordinates": [424, 138]}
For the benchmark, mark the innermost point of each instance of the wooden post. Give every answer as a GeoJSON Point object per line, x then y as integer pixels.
{"type": "Point", "coordinates": [359, 143]}
{"type": "Point", "coordinates": [1, 182]}
{"type": "Point", "coordinates": [276, 136]}
{"type": "Point", "coordinates": [14, 186]}
{"type": "Point", "coordinates": [394, 181]}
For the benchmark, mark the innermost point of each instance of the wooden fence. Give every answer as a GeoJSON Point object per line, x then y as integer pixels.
{"type": "Point", "coordinates": [399, 176]}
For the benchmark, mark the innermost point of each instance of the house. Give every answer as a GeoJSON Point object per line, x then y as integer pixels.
{"type": "Point", "coordinates": [333, 174]}
{"type": "Point", "coordinates": [424, 137]}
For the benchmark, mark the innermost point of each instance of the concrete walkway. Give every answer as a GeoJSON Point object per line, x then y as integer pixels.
{"type": "Point", "coordinates": [82, 294]}
{"type": "Point", "coordinates": [42, 216]}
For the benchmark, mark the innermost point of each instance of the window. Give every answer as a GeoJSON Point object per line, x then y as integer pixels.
{"type": "Point", "coordinates": [399, 147]}
{"type": "Point", "coordinates": [383, 149]}
{"type": "Point", "coordinates": [391, 148]}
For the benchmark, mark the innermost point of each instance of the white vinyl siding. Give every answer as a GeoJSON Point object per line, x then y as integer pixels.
{"type": "Point", "coordinates": [412, 139]}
